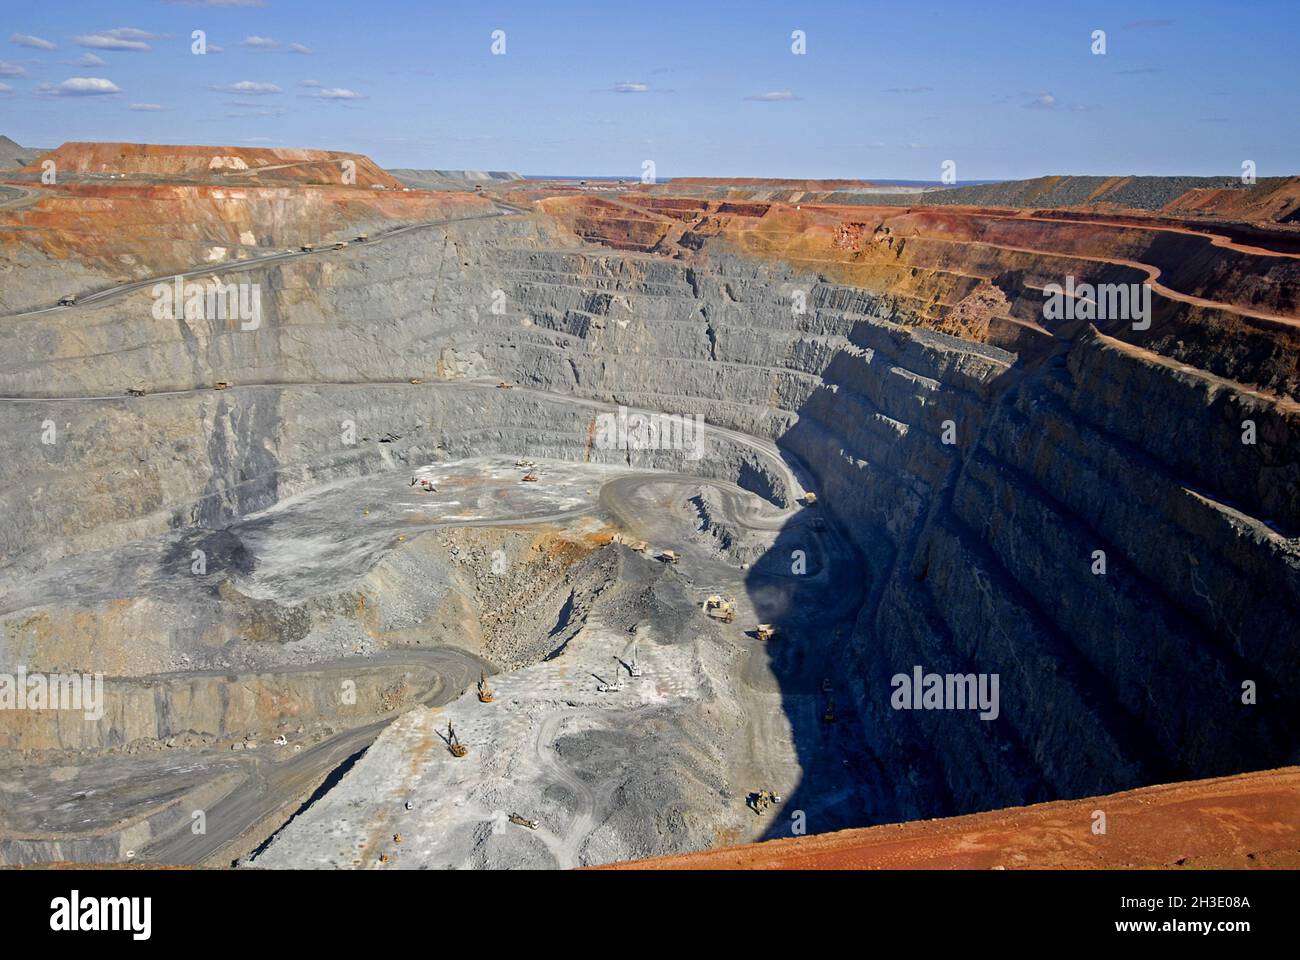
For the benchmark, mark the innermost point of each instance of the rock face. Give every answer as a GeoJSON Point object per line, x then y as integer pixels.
{"type": "Point", "coordinates": [1102, 515]}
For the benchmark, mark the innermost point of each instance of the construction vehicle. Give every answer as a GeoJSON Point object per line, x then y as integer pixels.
{"type": "Point", "coordinates": [614, 687]}
{"type": "Point", "coordinates": [362, 237]}
{"type": "Point", "coordinates": [478, 188]}
{"type": "Point", "coordinates": [720, 608]}
{"type": "Point", "coordinates": [826, 685]}
{"type": "Point", "coordinates": [669, 556]}
{"type": "Point", "coordinates": [457, 748]}
{"type": "Point", "coordinates": [505, 386]}
{"type": "Point", "coordinates": [765, 632]}
{"type": "Point", "coordinates": [523, 821]}
{"type": "Point", "coordinates": [135, 391]}
{"type": "Point", "coordinates": [397, 838]}
{"type": "Point", "coordinates": [340, 244]}
{"type": "Point", "coordinates": [68, 300]}
{"type": "Point", "coordinates": [640, 546]}
{"type": "Point", "coordinates": [810, 499]}
{"type": "Point", "coordinates": [525, 463]}
{"type": "Point", "coordinates": [484, 691]}
{"type": "Point", "coordinates": [760, 800]}
{"type": "Point", "coordinates": [221, 385]}
{"type": "Point", "coordinates": [307, 247]}
{"type": "Point", "coordinates": [529, 477]}
{"type": "Point", "coordinates": [829, 715]}
{"type": "Point", "coordinates": [416, 380]}
{"type": "Point", "coordinates": [633, 668]}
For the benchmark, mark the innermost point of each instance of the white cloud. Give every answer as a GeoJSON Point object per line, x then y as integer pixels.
{"type": "Point", "coordinates": [301, 48]}
{"type": "Point", "coordinates": [90, 60]}
{"type": "Point", "coordinates": [80, 87]}
{"type": "Point", "coordinates": [131, 33]}
{"type": "Point", "coordinates": [12, 70]}
{"type": "Point", "coordinates": [5, 89]}
{"type": "Point", "coordinates": [147, 107]}
{"type": "Point", "coordinates": [775, 96]}
{"type": "Point", "coordinates": [108, 41]}
{"type": "Point", "coordinates": [309, 83]}
{"type": "Point", "coordinates": [259, 43]}
{"type": "Point", "coordinates": [628, 86]}
{"type": "Point", "coordinates": [249, 87]}
{"type": "Point", "coordinates": [339, 93]}
{"type": "Point", "coordinates": [27, 40]}
{"type": "Point", "coordinates": [1043, 101]}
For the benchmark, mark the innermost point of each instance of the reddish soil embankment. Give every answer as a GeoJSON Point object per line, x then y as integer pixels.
{"type": "Point", "coordinates": [1248, 821]}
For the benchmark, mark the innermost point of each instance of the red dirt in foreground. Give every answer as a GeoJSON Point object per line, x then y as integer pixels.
{"type": "Point", "coordinates": [1247, 821]}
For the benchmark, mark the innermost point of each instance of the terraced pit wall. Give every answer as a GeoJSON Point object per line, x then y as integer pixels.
{"type": "Point", "coordinates": [978, 555]}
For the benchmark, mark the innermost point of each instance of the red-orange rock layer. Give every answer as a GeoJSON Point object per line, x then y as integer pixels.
{"type": "Point", "coordinates": [1247, 821]}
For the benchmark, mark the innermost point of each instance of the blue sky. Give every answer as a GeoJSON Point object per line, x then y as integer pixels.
{"type": "Point", "coordinates": [885, 90]}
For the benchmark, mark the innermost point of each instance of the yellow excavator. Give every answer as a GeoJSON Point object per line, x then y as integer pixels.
{"type": "Point", "coordinates": [829, 715]}
{"type": "Point", "coordinates": [457, 748]}
{"type": "Point", "coordinates": [484, 692]}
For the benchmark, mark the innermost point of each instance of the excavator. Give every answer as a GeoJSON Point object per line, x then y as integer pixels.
{"type": "Point", "coordinates": [765, 632]}
{"type": "Point", "coordinates": [760, 800]}
{"type": "Point", "coordinates": [530, 477]}
{"type": "Point", "coordinates": [484, 691]}
{"type": "Point", "coordinates": [829, 715]}
{"type": "Point", "coordinates": [457, 748]}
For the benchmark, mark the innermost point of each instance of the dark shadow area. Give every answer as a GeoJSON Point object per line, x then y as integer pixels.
{"type": "Point", "coordinates": [976, 559]}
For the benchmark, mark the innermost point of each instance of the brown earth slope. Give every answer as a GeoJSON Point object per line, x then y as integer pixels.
{"type": "Point", "coordinates": [1246, 821]}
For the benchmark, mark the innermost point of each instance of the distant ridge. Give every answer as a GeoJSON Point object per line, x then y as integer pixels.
{"type": "Point", "coordinates": [13, 156]}
{"type": "Point", "coordinates": [451, 179]}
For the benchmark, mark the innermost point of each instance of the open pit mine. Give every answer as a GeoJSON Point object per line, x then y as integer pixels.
{"type": "Point", "coordinates": [354, 518]}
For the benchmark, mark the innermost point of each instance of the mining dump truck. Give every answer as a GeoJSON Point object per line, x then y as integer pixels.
{"type": "Point", "coordinates": [362, 237]}
{"type": "Point", "coordinates": [453, 743]}
{"type": "Point", "coordinates": [668, 556]}
{"type": "Point", "coordinates": [417, 381]}
{"type": "Point", "coordinates": [340, 245]}
{"type": "Point", "coordinates": [720, 608]}
{"type": "Point", "coordinates": [505, 386]}
{"type": "Point", "coordinates": [765, 631]}
{"type": "Point", "coordinates": [523, 821]}
{"type": "Point", "coordinates": [484, 691]}
{"type": "Point", "coordinates": [829, 715]}
{"type": "Point", "coordinates": [529, 477]}
{"type": "Point", "coordinates": [307, 247]}
{"type": "Point", "coordinates": [221, 385]}
{"type": "Point", "coordinates": [68, 300]}
{"type": "Point", "coordinates": [810, 499]}
{"type": "Point", "coordinates": [135, 391]}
